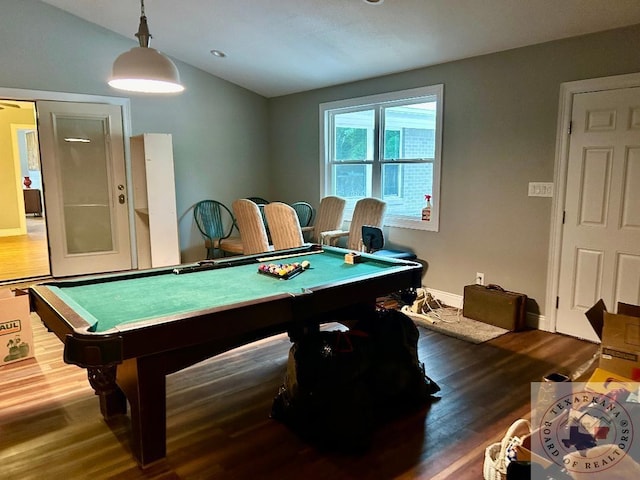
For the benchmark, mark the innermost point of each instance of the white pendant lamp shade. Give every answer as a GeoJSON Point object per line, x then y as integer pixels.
{"type": "Point", "coordinates": [144, 69]}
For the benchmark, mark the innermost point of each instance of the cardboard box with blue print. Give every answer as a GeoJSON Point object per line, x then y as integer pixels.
{"type": "Point", "coordinates": [16, 338]}
{"type": "Point", "coordinates": [620, 338]}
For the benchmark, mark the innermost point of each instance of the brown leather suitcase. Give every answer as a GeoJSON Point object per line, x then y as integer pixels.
{"type": "Point", "coordinates": [494, 305]}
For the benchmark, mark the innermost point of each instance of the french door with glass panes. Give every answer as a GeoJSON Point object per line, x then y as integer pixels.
{"type": "Point", "coordinates": [84, 183]}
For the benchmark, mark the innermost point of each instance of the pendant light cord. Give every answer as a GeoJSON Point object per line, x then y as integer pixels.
{"type": "Point", "coordinates": [143, 34]}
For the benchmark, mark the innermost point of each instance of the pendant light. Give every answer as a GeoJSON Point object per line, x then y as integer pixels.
{"type": "Point", "coordinates": [144, 69]}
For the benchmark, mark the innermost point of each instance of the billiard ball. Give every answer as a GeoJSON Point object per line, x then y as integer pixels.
{"type": "Point", "coordinates": [305, 264]}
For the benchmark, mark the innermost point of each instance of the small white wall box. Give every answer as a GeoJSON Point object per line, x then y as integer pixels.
{"type": "Point", "coordinates": [16, 337]}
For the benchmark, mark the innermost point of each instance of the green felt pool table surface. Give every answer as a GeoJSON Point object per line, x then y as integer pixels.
{"type": "Point", "coordinates": [115, 301]}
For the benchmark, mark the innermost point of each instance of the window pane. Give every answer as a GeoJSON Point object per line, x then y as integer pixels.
{"type": "Point", "coordinates": [351, 180]}
{"type": "Point", "coordinates": [85, 184]}
{"type": "Point", "coordinates": [415, 180]}
{"type": "Point", "coordinates": [351, 143]}
{"type": "Point", "coordinates": [354, 135]}
{"type": "Point", "coordinates": [391, 144]}
{"type": "Point", "coordinates": [391, 180]}
{"type": "Point", "coordinates": [413, 128]}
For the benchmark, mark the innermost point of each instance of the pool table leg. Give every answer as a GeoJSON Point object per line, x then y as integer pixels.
{"type": "Point", "coordinates": [143, 381]}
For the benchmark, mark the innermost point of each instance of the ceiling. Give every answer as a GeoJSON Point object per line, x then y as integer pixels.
{"type": "Point", "coordinates": [278, 47]}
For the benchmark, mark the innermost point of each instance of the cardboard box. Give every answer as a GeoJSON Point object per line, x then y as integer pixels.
{"type": "Point", "coordinates": [16, 338]}
{"type": "Point", "coordinates": [621, 345]}
{"type": "Point", "coordinates": [620, 337]}
{"type": "Point", "coordinates": [614, 385]}
{"type": "Point", "coordinates": [606, 382]}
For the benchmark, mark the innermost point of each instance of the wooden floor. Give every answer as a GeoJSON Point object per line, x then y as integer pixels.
{"type": "Point", "coordinates": [25, 256]}
{"type": "Point", "coordinates": [218, 424]}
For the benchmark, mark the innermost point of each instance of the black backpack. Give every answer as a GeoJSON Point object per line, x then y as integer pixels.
{"type": "Point", "coordinates": [325, 397]}
{"type": "Point", "coordinates": [339, 384]}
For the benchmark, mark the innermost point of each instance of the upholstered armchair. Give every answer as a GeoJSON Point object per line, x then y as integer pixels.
{"type": "Point", "coordinates": [328, 218]}
{"type": "Point", "coordinates": [251, 226]}
{"type": "Point", "coordinates": [284, 226]}
{"type": "Point", "coordinates": [368, 211]}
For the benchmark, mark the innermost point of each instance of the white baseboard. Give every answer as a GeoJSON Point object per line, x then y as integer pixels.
{"type": "Point", "coordinates": [533, 320]}
{"type": "Point", "coordinates": [540, 322]}
{"type": "Point", "coordinates": [449, 299]}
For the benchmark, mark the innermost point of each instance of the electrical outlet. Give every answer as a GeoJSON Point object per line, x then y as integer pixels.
{"type": "Point", "coordinates": [479, 278]}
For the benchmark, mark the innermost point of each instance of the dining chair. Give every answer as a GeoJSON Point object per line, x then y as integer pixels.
{"type": "Point", "coordinates": [284, 226]}
{"type": "Point", "coordinates": [304, 211]}
{"type": "Point", "coordinates": [368, 211]}
{"type": "Point", "coordinates": [251, 226]}
{"type": "Point", "coordinates": [216, 223]}
{"type": "Point", "coordinates": [328, 218]}
{"type": "Point", "coordinates": [261, 202]}
{"type": "Point", "coordinates": [264, 219]}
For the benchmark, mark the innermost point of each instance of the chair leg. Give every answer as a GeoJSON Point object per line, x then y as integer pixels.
{"type": "Point", "coordinates": [211, 253]}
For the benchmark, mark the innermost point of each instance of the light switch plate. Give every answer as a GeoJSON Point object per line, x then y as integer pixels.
{"type": "Point", "coordinates": [541, 189]}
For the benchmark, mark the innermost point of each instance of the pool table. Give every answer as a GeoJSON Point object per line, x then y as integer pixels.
{"type": "Point", "coordinates": [130, 330]}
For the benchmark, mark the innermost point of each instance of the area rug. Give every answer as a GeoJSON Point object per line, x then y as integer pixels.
{"type": "Point", "coordinates": [455, 325]}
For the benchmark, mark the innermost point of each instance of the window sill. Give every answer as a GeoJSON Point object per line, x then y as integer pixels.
{"type": "Point", "coordinates": [406, 222]}
{"type": "Point", "coordinates": [411, 223]}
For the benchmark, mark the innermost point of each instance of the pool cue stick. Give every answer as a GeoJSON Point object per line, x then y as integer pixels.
{"type": "Point", "coordinates": [194, 268]}
{"type": "Point", "coordinates": [279, 257]}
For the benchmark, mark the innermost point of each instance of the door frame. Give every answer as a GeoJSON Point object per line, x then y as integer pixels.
{"type": "Point", "coordinates": [123, 102]}
{"type": "Point", "coordinates": [15, 132]}
{"type": "Point", "coordinates": [565, 108]}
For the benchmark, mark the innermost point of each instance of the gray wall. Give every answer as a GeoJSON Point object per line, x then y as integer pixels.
{"type": "Point", "coordinates": [218, 129]}
{"type": "Point", "coordinates": [500, 116]}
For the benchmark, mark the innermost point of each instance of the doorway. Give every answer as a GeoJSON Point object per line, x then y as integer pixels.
{"type": "Point", "coordinates": [23, 234]}
{"type": "Point", "coordinates": [594, 251]}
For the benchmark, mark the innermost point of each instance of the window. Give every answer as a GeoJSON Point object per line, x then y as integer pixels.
{"type": "Point", "coordinates": [385, 146]}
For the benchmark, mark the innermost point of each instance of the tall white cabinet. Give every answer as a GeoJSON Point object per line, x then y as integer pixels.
{"type": "Point", "coordinates": [154, 200]}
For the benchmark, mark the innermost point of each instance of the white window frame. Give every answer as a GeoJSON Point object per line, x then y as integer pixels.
{"type": "Point", "coordinates": [374, 101]}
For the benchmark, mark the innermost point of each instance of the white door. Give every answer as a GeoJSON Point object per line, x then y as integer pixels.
{"type": "Point", "coordinates": [600, 255]}
{"type": "Point", "coordinates": [84, 184]}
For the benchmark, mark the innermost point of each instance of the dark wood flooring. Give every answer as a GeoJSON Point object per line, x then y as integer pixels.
{"type": "Point", "coordinates": [218, 424]}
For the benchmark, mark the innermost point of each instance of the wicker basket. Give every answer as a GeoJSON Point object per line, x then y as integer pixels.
{"type": "Point", "coordinates": [495, 455]}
